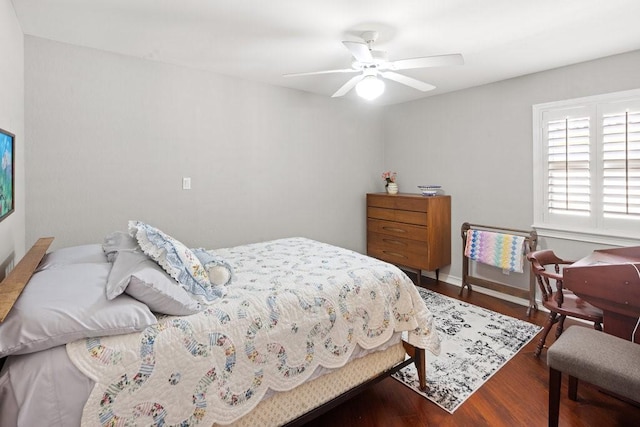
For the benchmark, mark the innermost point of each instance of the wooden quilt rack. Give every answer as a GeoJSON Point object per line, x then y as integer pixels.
{"type": "Point", "coordinates": [531, 242]}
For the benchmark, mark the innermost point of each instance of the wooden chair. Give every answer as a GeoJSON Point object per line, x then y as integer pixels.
{"type": "Point", "coordinates": [545, 265]}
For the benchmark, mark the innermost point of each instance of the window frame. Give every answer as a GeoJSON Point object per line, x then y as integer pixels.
{"type": "Point", "coordinates": [593, 228]}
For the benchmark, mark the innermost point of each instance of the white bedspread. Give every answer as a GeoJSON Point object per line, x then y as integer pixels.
{"type": "Point", "coordinates": [295, 304]}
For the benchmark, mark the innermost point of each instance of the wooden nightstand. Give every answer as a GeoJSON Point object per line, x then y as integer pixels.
{"type": "Point", "coordinates": [410, 230]}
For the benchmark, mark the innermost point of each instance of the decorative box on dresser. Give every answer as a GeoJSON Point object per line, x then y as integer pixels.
{"type": "Point", "coordinates": [410, 230]}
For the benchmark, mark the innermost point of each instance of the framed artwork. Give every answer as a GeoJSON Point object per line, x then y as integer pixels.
{"type": "Point", "coordinates": [7, 177]}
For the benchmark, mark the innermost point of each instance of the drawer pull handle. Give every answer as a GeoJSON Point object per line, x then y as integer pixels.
{"type": "Point", "coordinates": [394, 242]}
{"type": "Point", "coordinates": [396, 254]}
{"type": "Point", "coordinates": [394, 229]}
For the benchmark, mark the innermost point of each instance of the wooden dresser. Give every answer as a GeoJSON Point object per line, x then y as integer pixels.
{"type": "Point", "coordinates": [410, 230]}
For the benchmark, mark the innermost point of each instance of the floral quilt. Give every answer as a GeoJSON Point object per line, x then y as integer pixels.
{"type": "Point", "coordinates": [294, 305]}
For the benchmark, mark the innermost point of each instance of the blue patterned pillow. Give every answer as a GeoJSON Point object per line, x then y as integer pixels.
{"type": "Point", "coordinates": [176, 259]}
{"type": "Point", "coordinates": [219, 270]}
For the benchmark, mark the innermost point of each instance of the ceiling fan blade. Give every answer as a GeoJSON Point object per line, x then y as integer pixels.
{"type": "Point", "coordinates": [360, 51]}
{"type": "Point", "coordinates": [427, 61]}
{"type": "Point", "coordinates": [313, 73]}
{"type": "Point", "coordinates": [408, 81]}
{"type": "Point", "coordinates": [348, 86]}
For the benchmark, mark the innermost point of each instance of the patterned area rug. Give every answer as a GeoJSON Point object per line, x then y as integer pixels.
{"type": "Point", "coordinates": [476, 343]}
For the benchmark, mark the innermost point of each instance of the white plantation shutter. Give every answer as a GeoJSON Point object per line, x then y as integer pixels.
{"type": "Point", "coordinates": [568, 158]}
{"type": "Point", "coordinates": [621, 164]}
{"type": "Point", "coordinates": [586, 168]}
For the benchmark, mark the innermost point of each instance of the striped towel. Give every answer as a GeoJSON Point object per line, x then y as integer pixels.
{"type": "Point", "coordinates": [500, 250]}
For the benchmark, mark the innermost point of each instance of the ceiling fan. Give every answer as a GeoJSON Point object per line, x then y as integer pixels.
{"type": "Point", "coordinates": [371, 64]}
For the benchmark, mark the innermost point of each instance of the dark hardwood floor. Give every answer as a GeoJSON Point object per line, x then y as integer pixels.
{"type": "Point", "coordinates": [515, 396]}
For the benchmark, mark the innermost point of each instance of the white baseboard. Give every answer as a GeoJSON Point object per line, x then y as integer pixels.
{"type": "Point", "coordinates": [457, 281]}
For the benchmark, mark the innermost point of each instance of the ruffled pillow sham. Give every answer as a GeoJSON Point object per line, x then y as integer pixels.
{"type": "Point", "coordinates": [177, 260]}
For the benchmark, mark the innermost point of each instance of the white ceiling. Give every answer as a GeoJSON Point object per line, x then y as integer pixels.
{"type": "Point", "coordinates": [261, 40]}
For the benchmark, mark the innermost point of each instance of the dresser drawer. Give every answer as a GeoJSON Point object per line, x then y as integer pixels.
{"type": "Point", "coordinates": [410, 253]}
{"type": "Point", "coordinates": [407, 217]}
{"type": "Point", "coordinates": [397, 244]}
{"type": "Point", "coordinates": [397, 229]}
{"type": "Point", "coordinates": [418, 204]}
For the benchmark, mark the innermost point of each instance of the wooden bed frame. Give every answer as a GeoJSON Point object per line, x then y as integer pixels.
{"type": "Point", "coordinates": [11, 288]}
{"type": "Point", "coordinates": [416, 356]}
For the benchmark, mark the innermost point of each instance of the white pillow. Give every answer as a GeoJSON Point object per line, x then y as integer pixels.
{"type": "Point", "coordinates": [67, 303]}
{"type": "Point", "coordinates": [176, 259]}
{"type": "Point", "coordinates": [92, 253]}
{"type": "Point", "coordinates": [135, 274]}
{"type": "Point", "coordinates": [219, 275]}
{"type": "Point", "coordinates": [116, 242]}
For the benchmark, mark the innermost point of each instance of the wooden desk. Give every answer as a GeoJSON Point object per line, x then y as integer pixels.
{"type": "Point", "coordinates": [609, 279]}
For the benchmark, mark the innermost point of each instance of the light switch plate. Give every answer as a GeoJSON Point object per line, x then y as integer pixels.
{"type": "Point", "coordinates": [186, 183]}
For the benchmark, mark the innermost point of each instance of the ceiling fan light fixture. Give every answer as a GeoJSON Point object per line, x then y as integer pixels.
{"type": "Point", "coordinates": [372, 66]}
{"type": "Point", "coordinates": [370, 88]}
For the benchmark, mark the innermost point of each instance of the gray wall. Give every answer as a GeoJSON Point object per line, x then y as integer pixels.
{"type": "Point", "coordinates": [112, 136]}
{"type": "Point", "coordinates": [12, 229]}
{"type": "Point", "coordinates": [477, 144]}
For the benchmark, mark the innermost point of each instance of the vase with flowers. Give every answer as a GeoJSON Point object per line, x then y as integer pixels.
{"type": "Point", "coordinates": [390, 182]}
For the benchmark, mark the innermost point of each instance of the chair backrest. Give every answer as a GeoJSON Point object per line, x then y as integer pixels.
{"type": "Point", "coordinates": [545, 265]}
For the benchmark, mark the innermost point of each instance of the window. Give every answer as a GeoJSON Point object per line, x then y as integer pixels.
{"type": "Point", "coordinates": [586, 171]}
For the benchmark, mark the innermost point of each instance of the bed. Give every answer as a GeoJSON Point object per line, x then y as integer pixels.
{"type": "Point", "coordinates": [270, 333]}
